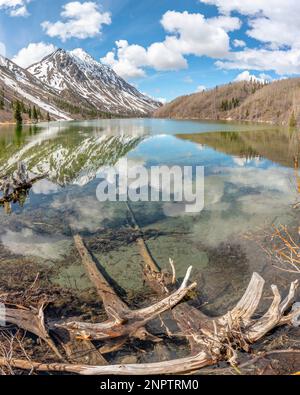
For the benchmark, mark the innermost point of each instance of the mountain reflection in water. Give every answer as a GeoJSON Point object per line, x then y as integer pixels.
{"type": "Point", "coordinates": [251, 182]}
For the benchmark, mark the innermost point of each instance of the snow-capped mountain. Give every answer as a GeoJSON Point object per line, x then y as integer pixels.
{"type": "Point", "coordinates": [77, 77]}
{"type": "Point", "coordinates": [69, 155]}
{"type": "Point", "coordinates": [19, 84]}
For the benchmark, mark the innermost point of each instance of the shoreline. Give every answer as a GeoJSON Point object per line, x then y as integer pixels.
{"type": "Point", "coordinates": [8, 123]}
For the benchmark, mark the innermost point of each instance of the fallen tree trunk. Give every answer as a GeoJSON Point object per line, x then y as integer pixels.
{"type": "Point", "coordinates": [206, 333]}
{"type": "Point", "coordinates": [211, 339]}
{"type": "Point", "coordinates": [122, 320]}
{"type": "Point", "coordinates": [177, 366]}
{"type": "Point", "coordinates": [113, 304]}
{"type": "Point", "coordinates": [233, 331]}
{"type": "Point", "coordinates": [187, 318]}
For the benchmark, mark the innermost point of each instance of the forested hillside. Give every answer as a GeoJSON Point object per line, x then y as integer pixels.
{"type": "Point", "coordinates": [276, 103]}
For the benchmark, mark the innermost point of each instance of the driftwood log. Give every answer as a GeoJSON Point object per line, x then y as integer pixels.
{"type": "Point", "coordinates": [31, 320]}
{"type": "Point", "coordinates": [217, 331]}
{"type": "Point", "coordinates": [219, 338]}
{"type": "Point", "coordinates": [19, 182]}
{"type": "Point", "coordinates": [211, 339]}
{"type": "Point", "coordinates": [122, 321]}
{"type": "Point", "coordinates": [75, 337]}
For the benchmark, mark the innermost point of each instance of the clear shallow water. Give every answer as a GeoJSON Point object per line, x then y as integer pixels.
{"type": "Point", "coordinates": [250, 184]}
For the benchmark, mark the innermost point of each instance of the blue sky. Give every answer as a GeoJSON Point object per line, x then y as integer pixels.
{"type": "Point", "coordinates": [166, 48]}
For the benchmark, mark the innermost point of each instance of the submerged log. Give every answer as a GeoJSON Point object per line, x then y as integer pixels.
{"type": "Point", "coordinates": [211, 339]}
{"type": "Point", "coordinates": [122, 321]}
{"type": "Point", "coordinates": [187, 317]}
{"type": "Point", "coordinates": [210, 334]}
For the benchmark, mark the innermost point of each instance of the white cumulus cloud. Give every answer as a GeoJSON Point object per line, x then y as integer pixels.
{"type": "Point", "coordinates": [33, 53]}
{"type": "Point", "coordinates": [187, 34]}
{"type": "Point", "coordinates": [79, 20]}
{"type": "Point", "coordinates": [193, 34]}
{"type": "Point", "coordinates": [239, 43]}
{"type": "Point", "coordinates": [282, 62]}
{"type": "Point", "coordinates": [275, 25]}
{"type": "Point", "coordinates": [15, 7]}
{"type": "Point", "coordinates": [272, 21]}
{"type": "Point", "coordinates": [246, 76]}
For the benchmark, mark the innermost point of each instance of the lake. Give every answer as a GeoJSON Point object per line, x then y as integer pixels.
{"type": "Point", "coordinates": [251, 183]}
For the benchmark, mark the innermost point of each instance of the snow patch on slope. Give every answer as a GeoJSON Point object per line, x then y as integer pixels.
{"type": "Point", "coordinates": [77, 72]}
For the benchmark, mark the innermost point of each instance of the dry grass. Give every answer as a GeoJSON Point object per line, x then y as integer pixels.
{"type": "Point", "coordinates": [272, 103]}
{"type": "Point", "coordinates": [284, 249]}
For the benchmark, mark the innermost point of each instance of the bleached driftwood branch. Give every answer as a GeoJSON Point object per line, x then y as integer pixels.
{"type": "Point", "coordinates": [122, 321]}
{"type": "Point", "coordinates": [236, 329]}
{"type": "Point", "coordinates": [211, 339]}
{"type": "Point", "coordinates": [17, 182]}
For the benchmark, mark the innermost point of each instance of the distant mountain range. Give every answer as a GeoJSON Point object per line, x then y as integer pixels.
{"type": "Point", "coordinates": [277, 103]}
{"type": "Point", "coordinates": [70, 85]}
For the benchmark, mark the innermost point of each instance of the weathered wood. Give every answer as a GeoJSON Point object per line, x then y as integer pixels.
{"type": "Point", "coordinates": [113, 345]}
{"type": "Point", "coordinates": [248, 304]}
{"type": "Point", "coordinates": [187, 317]}
{"type": "Point", "coordinates": [84, 352]}
{"type": "Point", "coordinates": [79, 351]}
{"type": "Point", "coordinates": [125, 325]}
{"type": "Point", "coordinates": [275, 316]}
{"type": "Point", "coordinates": [218, 343]}
{"type": "Point", "coordinates": [12, 186]}
{"type": "Point", "coordinates": [144, 250]}
{"type": "Point", "coordinates": [177, 366]}
{"type": "Point", "coordinates": [122, 320]}
{"type": "Point", "coordinates": [33, 321]}
{"type": "Point", "coordinates": [113, 304]}
{"type": "Point", "coordinates": [209, 334]}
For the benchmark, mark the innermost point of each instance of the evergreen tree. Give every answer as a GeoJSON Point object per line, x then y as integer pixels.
{"type": "Point", "coordinates": [35, 114]}
{"type": "Point", "coordinates": [22, 106]}
{"type": "Point", "coordinates": [18, 113]}
{"type": "Point", "coordinates": [48, 117]}
{"type": "Point", "coordinates": [2, 100]}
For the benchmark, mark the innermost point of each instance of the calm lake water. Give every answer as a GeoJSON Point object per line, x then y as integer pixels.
{"type": "Point", "coordinates": [250, 183]}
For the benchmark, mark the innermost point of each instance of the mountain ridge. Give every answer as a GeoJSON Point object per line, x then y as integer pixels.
{"type": "Point", "coordinates": [75, 74]}
{"type": "Point", "coordinates": [275, 103]}
{"type": "Point", "coordinates": [68, 85]}
{"type": "Point", "coordinates": [17, 83]}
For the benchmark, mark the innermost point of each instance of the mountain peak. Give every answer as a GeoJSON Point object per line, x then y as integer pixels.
{"type": "Point", "coordinates": [76, 76]}
{"type": "Point", "coordinates": [59, 51]}
{"type": "Point", "coordinates": [82, 55]}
